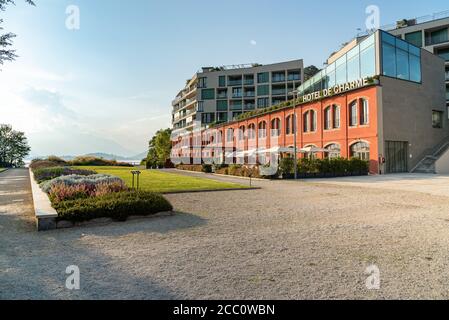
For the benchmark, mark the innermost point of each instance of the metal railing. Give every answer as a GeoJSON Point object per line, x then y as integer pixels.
{"type": "Point", "coordinates": [418, 20]}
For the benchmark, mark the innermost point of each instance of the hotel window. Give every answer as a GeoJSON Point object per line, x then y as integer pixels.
{"type": "Point", "coordinates": [336, 116]}
{"type": "Point", "coordinates": [414, 38]}
{"type": "Point", "coordinates": [237, 92]}
{"type": "Point", "coordinates": [208, 94]}
{"type": "Point", "coordinates": [305, 121]}
{"type": "Point", "coordinates": [222, 116]}
{"type": "Point", "coordinates": [444, 54]}
{"type": "Point", "coordinates": [242, 133]}
{"type": "Point", "coordinates": [353, 114]}
{"type": "Point", "coordinates": [364, 112]}
{"type": "Point", "coordinates": [276, 127]}
{"type": "Point", "coordinates": [360, 150]}
{"type": "Point", "coordinates": [334, 151]}
{"type": "Point", "coordinates": [262, 130]}
{"type": "Point", "coordinates": [202, 83]}
{"type": "Point", "coordinates": [437, 119]}
{"type": "Point", "coordinates": [400, 59]}
{"type": "Point", "coordinates": [222, 105]}
{"type": "Point", "coordinates": [207, 117]}
{"type": "Point", "coordinates": [222, 81]}
{"type": "Point", "coordinates": [263, 77]}
{"type": "Point", "coordinates": [263, 90]}
{"type": "Point", "coordinates": [353, 64]}
{"type": "Point", "coordinates": [341, 70]}
{"type": "Point", "coordinates": [230, 135]}
{"type": "Point", "coordinates": [289, 125]}
{"type": "Point", "coordinates": [252, 131]}
{"type": "Point", "coordinates": [313, 121]}
{"type": "Point", "coordinates": [368, 57]}
{"type": "Point", "coordinates": [263, 102]}
{"type": "Point", "coordinates": [200, 106]}
{"type": "Point", "coordinates": [437, 36]}
{"type": "Point", "coordinates": [328, 118]}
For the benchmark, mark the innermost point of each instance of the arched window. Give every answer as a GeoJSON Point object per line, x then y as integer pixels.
{"type": "Point", "coordinates": [252, 131]}
{"type": "Point", "coordinates": [276, 127]}
{"type": "Point", "coordinates": [360, 150]}
{"type": "Point", "coordinates": [312, 120]}
{"type": "Point", "coordinates": [262, 129]}
{"type": "Point", "coordinates": [353, 113]}
{"type": "Point", "coordinates": [334, 151]}
{"type": "Point", "coordinates": [310, 155]}
{"type": "Point", "coordinates": [242, 133]}
{"type": "Point", "coordinates": [230, 135]}
{"type": "Point", "coordinates": [305, 121]}
{"type": "Point", "coordinates": [289, 125]}
{"type": "Point", "coordinates": [336, 116]}
{"type": "Point", "coordinates": [328, 118]}
{"type": "Point", "coordinates": [364, 112]}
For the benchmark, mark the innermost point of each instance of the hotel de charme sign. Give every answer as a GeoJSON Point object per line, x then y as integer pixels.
{"type": "Point", "coordinates": [338, 89]}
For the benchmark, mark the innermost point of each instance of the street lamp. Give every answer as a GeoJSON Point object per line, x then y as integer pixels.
{"type": "Point", "coordinates": [295, 93]}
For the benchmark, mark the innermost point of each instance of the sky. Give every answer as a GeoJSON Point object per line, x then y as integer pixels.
{"type": "Point", "coordinates": [108, 86]}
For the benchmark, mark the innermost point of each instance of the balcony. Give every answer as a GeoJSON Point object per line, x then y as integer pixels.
{"type": "Point", "coordinates": [234, 83]}
{"type": "Point", "coordinates": [250, 94]}
{"type": "Point", "coordinates": [447, 75]}
{"type": "Point", "coordinates": [278, 92]}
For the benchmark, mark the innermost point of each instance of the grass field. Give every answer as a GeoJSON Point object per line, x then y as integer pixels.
{"type": "Point", "coordinates": [2, 169]}
{"type": "Point", "coordinates": [163, 182]}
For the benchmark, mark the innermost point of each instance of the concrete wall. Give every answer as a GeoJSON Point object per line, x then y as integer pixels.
{"type": "Point", "coordinates": [407, 109]}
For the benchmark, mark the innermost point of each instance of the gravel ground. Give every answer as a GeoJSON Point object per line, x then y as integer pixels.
{"type": "Point", "coordinates": [289, 240]}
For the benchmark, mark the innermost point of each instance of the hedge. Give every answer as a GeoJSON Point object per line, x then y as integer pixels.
{"type": "Point", "coordinates": [49, 173]}
{"type": "Point", "coordinates": [118, 206]}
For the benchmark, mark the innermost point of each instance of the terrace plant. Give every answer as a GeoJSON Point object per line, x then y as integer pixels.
{"type": "Point", "coordinates": [45, 174]}
{"type": "Point", "coordinates": [72, 180]}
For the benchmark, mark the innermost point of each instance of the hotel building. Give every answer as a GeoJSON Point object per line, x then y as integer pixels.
{"type": "Point", "coordinates": [381, 99]}
{"type": "Point", "coordinates": [217, 95]}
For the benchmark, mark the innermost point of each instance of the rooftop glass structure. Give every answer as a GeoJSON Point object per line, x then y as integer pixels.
{"type": "Point", "coordinates": [378, 54]}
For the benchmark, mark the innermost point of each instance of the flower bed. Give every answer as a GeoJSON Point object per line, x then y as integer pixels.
{"type": "Point", "coordinates": [86, 195]}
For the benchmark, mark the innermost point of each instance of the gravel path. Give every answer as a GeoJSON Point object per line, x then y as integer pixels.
{"type": "Point", "coordinates": [289, 240]}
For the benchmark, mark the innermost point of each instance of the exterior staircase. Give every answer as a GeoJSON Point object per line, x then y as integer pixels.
{"type": "Point", "coordinates": [427, 164]}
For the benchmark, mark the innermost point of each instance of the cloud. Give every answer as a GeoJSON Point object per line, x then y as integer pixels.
{"type": "Point", "coordinates": [253, 42]}
{"type": "Point", "coordinates": [49, 100]}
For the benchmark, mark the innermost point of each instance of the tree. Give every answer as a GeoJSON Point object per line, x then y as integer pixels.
{"type": "Point", "coordinates": [310, 71]}
{"type": "Point", "coordinates": [6, 39]}
{"type": "Point", "coordinates": [159, 149]}
{"type": "Point", "coordinates": [13, 147]}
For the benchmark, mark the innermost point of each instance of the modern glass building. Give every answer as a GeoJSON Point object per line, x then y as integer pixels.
{"type": "Point", "coordinates": [378, 54]}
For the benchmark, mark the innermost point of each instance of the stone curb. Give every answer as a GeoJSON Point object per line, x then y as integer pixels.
{"type": "Point", "coordinates": [44, 213]}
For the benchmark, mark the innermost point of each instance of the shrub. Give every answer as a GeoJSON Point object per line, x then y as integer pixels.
{"type": "Point", "coordinates": [94, 161]}
{"type": "Point", "coordinates": [206, 168]}
{"type": "Point", "coordinates": [118, 206]}
{"type": "Point", "coordinates": [72, 180]}
{"type": "Point", "coordinates": [44, 174]}
{"type": "Point", "coordinates": [61, 192]}
{"type": "Point", "coordinates": [286, 166]}
{"type": "Point", "coordinates": [190, 167]}
{"type": "Point", "coordinates": [45, 163]}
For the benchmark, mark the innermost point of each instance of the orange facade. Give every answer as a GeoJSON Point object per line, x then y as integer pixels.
{"type": "Point", "coordinates": [342, 125]}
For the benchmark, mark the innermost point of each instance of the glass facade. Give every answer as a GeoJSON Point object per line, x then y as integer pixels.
{"type": "Point", "coordinates": [400, 60]}
{"type": "Point", "coordinates": [359, 62]}
{"type": "Point", "coordinates": [414, 38]}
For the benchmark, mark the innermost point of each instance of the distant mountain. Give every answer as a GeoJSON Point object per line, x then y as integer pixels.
{"type": "Point", "coordinates": [106, 156]}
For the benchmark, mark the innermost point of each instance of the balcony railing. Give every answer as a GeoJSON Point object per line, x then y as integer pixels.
{"type": "Point", "coordinates": [278, 92]}
{"type": "Point", "coordinates": [222, 96]}
{"type": "Point", "coordinates": [447, 75]}
{"type": "Point", "coordinates": [234, 83]}
{"type": "Point", "coordinates": [249, 82]}
{"type": "Point", "coordinates": [250, 94]}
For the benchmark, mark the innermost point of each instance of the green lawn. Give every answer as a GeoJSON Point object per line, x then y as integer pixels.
{"type": "Point", "coordinates": [2, 169]}
{"type": "Point", "coordinates": [158, 181]}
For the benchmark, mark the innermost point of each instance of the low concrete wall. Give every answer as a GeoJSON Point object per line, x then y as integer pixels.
{"type": "Point", "coordinates": [45, 215]}
{"type": "Point", "coordinates": [442, 164]}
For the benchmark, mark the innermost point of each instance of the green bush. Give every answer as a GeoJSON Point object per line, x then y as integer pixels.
{"type": "Point", "coordinates": [118, 206]}
{"type": "Point", "coordinates": [286, 166]}
{"type": "Point", "coordinates": [94, 161]}
{"type": "Point", "coordinates": [206, 168]}
{"type": "Point", "coordinates": [335, 166]}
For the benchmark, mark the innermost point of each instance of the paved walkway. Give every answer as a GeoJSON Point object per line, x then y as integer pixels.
{"type": "Point", "coordinates": [288, 240]}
